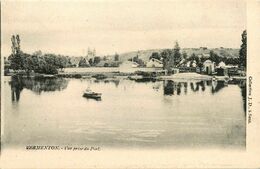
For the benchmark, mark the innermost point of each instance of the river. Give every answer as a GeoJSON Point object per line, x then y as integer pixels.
{"type": "Point", "coordinates": [152, 114]}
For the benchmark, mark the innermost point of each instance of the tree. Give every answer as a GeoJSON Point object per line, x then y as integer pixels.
{"type": "Point", "coordinates": [116, 57]}
{"type": "Point", "coordinates": [184, 55]}
{"type": "Point", "coordinates": [166, 56]}
{"type": "Point", "coordinates": [97, 59]}
{"type": "Point", "coordinates": [90, 61]}
{"type": "Point", "coordinates": [194, 57]}
{"type": "Point", "coordinates": [243, 49]}
{"type": "Point", "coordinates": [16, 60]}
{"type": "Point", "coordinates": [176, 54]}
{"type": "Point", "coordinates": [214, 57]}
{"type": "Point", "coordinates": [83, 63]}
{"type": "Point", "coordinates": [137, 60]}
{"type": "Point", "coordinates": [155, 55]}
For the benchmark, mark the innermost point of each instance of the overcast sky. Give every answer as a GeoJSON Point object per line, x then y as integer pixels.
{"type": "Point", "coordinates": [66, 27]}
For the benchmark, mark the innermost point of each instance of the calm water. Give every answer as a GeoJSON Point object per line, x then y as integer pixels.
{"type": "Point", "coordinates": [180, 114]}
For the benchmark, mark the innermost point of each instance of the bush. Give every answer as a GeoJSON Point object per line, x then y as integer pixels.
{"type": "Point", "coordinates": [78, 76]}
{"type": "Point", "coordinates": [99, 76]}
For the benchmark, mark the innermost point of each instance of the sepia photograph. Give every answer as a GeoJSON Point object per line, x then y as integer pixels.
{"type": "Point", "coordinates": [133, 75]}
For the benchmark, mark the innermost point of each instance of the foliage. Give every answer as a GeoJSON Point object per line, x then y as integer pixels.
{"type": "Point", "coordinates": [47, 63]}
{"type": "Point", "coordinates": [155, 55]}
{"type": "Point", "coordinates": [243, 49]}
{"type": "Point", "coordinates": [83, 63]}
{"type": "Point", "coordinates": [137, 60]}
{"type": "Point", "coordinates": [116, 57]}
{"type": "Point", "coordinates": [176, 54]}
{"type": "Point", "coordinates": [96, 60]}
{"type": "Point", "coordinates": [90, 61]}
{"type": "Point", "coordinates": [214, 57]}
{"type": "Point", "coordinates": [166, 55]}
{"type": "Point", "coordinates": [194, 57]}
{"type": "Point", "coordinates": [184, 55]}
{"type": "Point", "coordinates": [16, 59]}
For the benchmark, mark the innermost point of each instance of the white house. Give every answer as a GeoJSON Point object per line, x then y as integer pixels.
{"type": "Point", "coordinates": [188, 64]}
{"type": "Point", "coordinates": [221, 65]}
{"type": "Point", "coordinates": [154, 63]}
{"type": "Point", "coordinates": [206, 55]}
{"type": "Point", "coordinates": [209, 67]}
{"type": "Point", "coordinates": [134, 64]}
{"type": "Point", "coordinates": [194, 63]}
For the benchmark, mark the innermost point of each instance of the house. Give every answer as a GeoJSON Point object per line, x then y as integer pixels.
{"type": "Point", "coordinates": [221, 65]}
{"type": "Point", "coordinates": [209, 67]}
{"type": "Point", "coordinates": [154, 63]}
{"type": "Point", "coordinates": [188, 64]}
{"type": "Point", "coordinates": [194, 63]}
{"type": "Point", "coordinates": [206, 55]}
{"type": "Point", "coordinates": [221, 69]}
{"type": "Point", "coordinates": [233, 70]}
{"type": "Point", "coordinates": [175, 70]}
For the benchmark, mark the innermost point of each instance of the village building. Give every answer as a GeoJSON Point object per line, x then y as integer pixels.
{"type": "Point", "coordinates": [222, 65]}
{"type": "Point", "coordinates": [194, 64]}
{"type": "Point", "coordinates": [206, 55]}
{"type": "Point", "coordinates": [175, 70]}
{"type": "Point", "coordinates": [233, 70]}
{"type": "Point", "coordinates": [188, 64]}
{"type": "Point", "coordinates": [154, 63]}
{"type": "Point", "coordinates": [221, 69]}
{"type": "Point", "coordinates": [134, 64]}
{"type": "Point", "coordinates": [209, 67]}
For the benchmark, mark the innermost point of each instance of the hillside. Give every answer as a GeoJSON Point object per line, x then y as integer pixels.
{"type": "Point", "coordinates": [145, 54]}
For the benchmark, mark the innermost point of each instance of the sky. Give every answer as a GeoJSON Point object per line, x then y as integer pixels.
{"type": "Point", "coordinates": [70, 27]}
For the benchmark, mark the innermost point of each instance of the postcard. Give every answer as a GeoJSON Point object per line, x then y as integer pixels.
{"type": "Point", "coordinates": [130, 84]}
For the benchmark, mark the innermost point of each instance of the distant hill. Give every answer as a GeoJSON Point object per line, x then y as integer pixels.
{"type": "Point", "coordinates": [145, 54]}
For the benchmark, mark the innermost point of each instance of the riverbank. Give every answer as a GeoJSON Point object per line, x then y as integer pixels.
{"type": "Point", "coordinates": [138, 75]}
{"type": "Point", "coordinates": [189, 75]}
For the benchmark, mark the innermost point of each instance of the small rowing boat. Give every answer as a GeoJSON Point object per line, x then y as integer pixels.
{"type": "Point", "coordinates": [90, 94]}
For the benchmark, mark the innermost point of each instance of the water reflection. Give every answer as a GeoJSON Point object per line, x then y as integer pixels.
{"type": "Point", "coordinates": [18, 83]}
{"type": "Point", "coordinates": [16, 87]}
{"type": "Point", "coordinates": [106, 81]}
{"type": "Point", "coordinates": [171, 87]}
{"type": "Point", "coordinates": [242, 85]}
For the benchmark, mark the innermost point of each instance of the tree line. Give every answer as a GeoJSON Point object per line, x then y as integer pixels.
{"type": "Point", "coordinates": [45, 63]}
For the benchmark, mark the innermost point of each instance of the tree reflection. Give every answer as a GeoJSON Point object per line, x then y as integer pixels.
{"type": "Point", "coordinates": [46, 84]}
{"type": "Point", "coordinates": [185, 84]}
{"type": "Point", "coordinates": [16, 87]}
{"type": "Point", "coordinates": [170, 87]}
{"type": "Point", "coordinates": [18, 83]}
{"type": "Point", "coordinates": [242, 85]}
{"type": "Point", "coordinates": [217, 86]}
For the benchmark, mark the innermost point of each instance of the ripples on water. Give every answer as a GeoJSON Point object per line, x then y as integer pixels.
{"type": "Point", "coordinates": [131, 113]}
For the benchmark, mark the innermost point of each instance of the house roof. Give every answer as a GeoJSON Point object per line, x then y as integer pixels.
{"type": "Point", "coordinates": [208, 61]}
{"type": "Point", "coordinates": [156, 60]}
